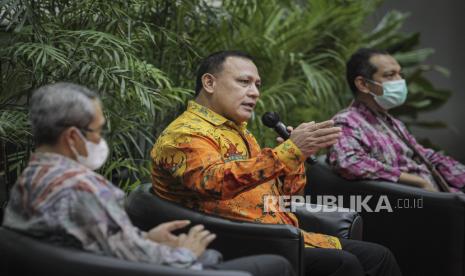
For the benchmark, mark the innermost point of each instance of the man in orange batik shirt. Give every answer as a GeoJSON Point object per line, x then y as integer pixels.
{"type": "Point", "coordinates": [207, 160]}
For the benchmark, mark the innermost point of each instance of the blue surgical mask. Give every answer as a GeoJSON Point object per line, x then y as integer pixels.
{"type": "Point", "coordinates": [394, 93]}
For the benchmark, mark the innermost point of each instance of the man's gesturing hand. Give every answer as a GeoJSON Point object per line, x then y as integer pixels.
{"type": "Point", "coordinates": [311, 137]}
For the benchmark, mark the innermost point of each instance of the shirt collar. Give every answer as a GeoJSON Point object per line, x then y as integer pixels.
{"type": "Point", "coordinates": [368, 112]}
{"type": "Point", "coordinates": [50, 158]}
{"type": "Point", "coordinates": [212, 117]}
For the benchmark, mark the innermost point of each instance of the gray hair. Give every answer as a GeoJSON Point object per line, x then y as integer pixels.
{"type": "Point", "coordinates": [55, 107]}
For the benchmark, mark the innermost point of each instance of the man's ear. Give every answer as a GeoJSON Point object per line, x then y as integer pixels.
{"type": "Point", "coordinates": [71, 137]}
{"type": "Point", "coordinates": [67, 137]}
{"type": "Point", "coordinates": [208, 82]}
{"type": "Point", "coordinates": [361, 84]}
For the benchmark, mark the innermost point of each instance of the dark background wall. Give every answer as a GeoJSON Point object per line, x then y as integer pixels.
{"type": "Point", "coordinates": [441, 25]}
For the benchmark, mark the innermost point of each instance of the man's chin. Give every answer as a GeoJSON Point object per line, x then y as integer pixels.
{"type": "Point", "coordinates": [242, 118]}
{"type": "Point", "coordinates": [245, 118]}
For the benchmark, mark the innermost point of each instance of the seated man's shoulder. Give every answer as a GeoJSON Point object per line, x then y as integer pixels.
{"type": "Point", "coordinates": [184, 127]}
{"type": "Point", "coordinates": [56, 186]}
{"type": "Point", "coordinates": [348, 116]}
{"type": "Point", "coordinates": [89, 182]}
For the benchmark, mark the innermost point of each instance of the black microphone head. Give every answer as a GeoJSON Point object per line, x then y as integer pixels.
{"type": "Point", "coordinates": [270, 119]}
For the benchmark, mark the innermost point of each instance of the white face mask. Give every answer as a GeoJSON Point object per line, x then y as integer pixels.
{"type": "Point", "coordinates": [394, 93]}
{"type": "Point", "coordinates": [97, 154]}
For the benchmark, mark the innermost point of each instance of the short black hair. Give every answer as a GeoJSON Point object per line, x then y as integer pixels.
{"type": "Point", "coordinates": [359, 65]}
{"type": "Point", "coordinates": [214, 64]}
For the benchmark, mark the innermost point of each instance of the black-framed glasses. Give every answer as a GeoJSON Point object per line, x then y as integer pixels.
{"type": "Point", "coordinates": [103, 132]}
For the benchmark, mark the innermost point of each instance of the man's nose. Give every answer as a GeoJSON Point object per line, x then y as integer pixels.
{"type": "Point", "coordinates": [253, 91]}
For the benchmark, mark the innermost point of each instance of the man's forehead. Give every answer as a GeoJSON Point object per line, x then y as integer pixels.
{"type": "Point", "coordinates": [384, 63]}
{"type": "Point", "coordinates": [99, 118]}
{"type": "Point", "coordinates": [239, 65]}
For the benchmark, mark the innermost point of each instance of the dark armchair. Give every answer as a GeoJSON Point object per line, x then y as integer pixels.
{"type": "Point", "coordinates": [425, 230]}
{"type": "Point", "coordinates": [237, 238]}
{"type": "Point", "coordinates": [23, 256]}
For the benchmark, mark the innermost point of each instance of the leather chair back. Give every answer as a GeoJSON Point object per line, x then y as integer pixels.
{"type": "Point", "coordinates": [425, 231]}
{"type": "Point", "coordinates": [235, 238]}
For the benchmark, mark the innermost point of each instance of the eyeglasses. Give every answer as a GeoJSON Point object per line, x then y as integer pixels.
{"type": "Point", "coordinates": [103, 132]}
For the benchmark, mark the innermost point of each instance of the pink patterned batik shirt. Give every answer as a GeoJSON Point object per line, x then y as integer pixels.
{"type": "Point", "coordinates": [370, 148]}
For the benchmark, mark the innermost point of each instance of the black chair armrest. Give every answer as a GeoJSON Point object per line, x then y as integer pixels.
{"type": "Point", "coordinates": [342, 222]}
{"type": "Point", "coordinates": [235, 238]}
{"type": "Point", "coordinates": [22, 255]}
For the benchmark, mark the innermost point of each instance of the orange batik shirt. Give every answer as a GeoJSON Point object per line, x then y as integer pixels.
{"type": "Point", "coordinates": [208, 163]}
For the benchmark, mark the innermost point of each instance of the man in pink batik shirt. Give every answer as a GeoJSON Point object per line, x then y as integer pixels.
{"type": "Point", "coordinates": [374, 145]}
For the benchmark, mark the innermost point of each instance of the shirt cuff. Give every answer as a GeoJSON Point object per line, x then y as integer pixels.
{"type": "Point", "coordinates": [289, 154]}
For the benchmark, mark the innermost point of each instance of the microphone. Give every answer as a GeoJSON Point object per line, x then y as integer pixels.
{"type": "Point", "coordinates": [271, 120]}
